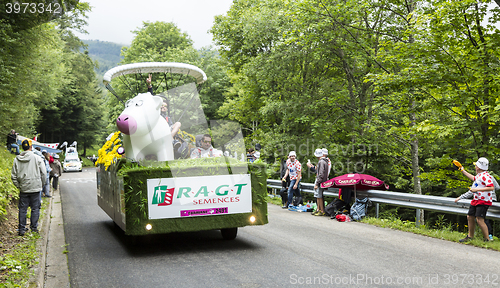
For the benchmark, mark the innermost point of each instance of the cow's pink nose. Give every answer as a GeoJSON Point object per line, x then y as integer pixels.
{"type": "Point", "coordinates": [126, 124]}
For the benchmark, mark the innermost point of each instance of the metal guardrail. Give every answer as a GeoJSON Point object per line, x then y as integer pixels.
{"type": "Point", "coordinates": [425, 202]}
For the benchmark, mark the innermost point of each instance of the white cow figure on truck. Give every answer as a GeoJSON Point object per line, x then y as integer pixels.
{"type": "Point", "coordinates": [146, 134]}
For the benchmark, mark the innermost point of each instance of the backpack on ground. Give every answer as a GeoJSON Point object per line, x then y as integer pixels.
{"type": "Point", "coordinates": [358, 209]}
{"type": "Point", "coordinates": [297, 200]}
{"type": "Point", "coordinates": [334, 206]}
{"type": "Point", "coordinates": [284, 195]}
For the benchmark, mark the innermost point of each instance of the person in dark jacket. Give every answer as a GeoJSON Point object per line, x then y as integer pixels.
{"type": "Point", "coordinates": [12, 141]}
{"type": "Point", "coordinates": [321, 176]}
{"type": "Point", "coordinates": [56, 172]}
{"type": "Point", "coordinates": [285, 182]}
{"type": "Point", "coordinates": [28, 175]}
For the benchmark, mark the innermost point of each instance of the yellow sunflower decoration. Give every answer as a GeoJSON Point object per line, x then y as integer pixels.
{"type": "Point", "coordinates": [108, 152]}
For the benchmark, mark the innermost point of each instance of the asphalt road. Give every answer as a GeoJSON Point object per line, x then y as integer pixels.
{"type": "Point", "coordinates": [294, 249]}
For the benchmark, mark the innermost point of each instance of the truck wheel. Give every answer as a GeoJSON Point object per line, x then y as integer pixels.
{"type": "Point", "coordinates": [229, 233]}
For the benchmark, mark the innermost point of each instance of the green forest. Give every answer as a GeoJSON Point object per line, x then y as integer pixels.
{"type": "Point", "coordinates": [48, 86]}
{"type": "Point", "coordinates": [394, 89]}
{"type": "Point", "coordinates": [107, 54]}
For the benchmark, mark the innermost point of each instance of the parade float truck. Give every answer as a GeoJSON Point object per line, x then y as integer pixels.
{"type": "Point", "coordinates": [150, 181]}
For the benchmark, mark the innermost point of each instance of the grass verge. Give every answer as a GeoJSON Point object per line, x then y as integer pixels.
{"type": "Point", "coordinates": [19, 257]}
{"type": "Point", "coordinates": [445, 233]}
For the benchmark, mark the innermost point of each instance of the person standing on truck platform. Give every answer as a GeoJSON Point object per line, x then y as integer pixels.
{"type": "Point", "coordinates": [293, 170]}
{"type": "Point", "coordinates": [205, 149]}
{"type": "Point", "coordinates": [164, 112]}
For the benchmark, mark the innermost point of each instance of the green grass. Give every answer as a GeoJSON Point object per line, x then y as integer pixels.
{"type": "Point", "coordinates": [8, 192]}
{"type": "Point", "coordinates": [17, 265]}
{"type": "Point", "coordinates": [445, 232]}
{"type": "Point", "coordinates": [274, 200]}
{"type": "Point", "coordinates": [87, 162]}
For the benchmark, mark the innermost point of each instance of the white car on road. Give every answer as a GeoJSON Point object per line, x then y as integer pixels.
{"type": "Point", "coordinates": [72, 164]}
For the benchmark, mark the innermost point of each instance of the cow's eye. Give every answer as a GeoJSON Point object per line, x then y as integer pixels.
{"type": "Point", "coordinates": [139, 103]}
{"type": "Point", "coordinates": [128, 103]}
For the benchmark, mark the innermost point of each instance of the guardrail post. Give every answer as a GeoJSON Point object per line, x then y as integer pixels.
{"type": "Point", "coordinates": [419, 217]}
{"type": "Point", "coordinates": [377, 209]}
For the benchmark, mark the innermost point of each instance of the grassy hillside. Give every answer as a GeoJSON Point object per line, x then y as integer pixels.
{"type": "Point", "coordinates": [19, 255]}
{"type": "Point", "coordinates": [8, 192]}
{"type": "Point", "coordinates": [107, 54]}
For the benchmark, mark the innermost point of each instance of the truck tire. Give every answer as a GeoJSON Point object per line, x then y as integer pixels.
{"type": "Point", "coordinates": [229, 233]}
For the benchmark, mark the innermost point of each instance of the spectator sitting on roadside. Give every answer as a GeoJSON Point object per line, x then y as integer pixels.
{"type": "Point", "coordinates": [12, 141]}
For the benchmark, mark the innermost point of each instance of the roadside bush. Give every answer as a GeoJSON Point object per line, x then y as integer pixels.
{"type": "Point", "coordinates": [8, 192]}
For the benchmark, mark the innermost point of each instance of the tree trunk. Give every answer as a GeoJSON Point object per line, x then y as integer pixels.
{"type": "Point", "coordinates": [417, 188]}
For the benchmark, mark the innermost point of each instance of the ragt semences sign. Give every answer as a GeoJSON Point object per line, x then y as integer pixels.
{"type": "Point", "coordinates": [199, 196]}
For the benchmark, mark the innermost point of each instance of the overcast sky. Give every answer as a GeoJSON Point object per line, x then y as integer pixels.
{"type": "Point", "coordinates": [113, 20]}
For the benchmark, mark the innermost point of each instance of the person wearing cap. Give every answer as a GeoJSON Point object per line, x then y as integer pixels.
{"type": "Point", "coordinates": [56, 172]}
{"type": "Point", "coordinates": [28, 175]}
{"type": "Point", "coordinates": [256, 155]}
{"type": "Point", "coordinates": [313, 168]}
{"type": "Point", "coordinates": [293, 170]}
{"type": "Point", "coordinates": [481, 190]}
{"type": "Point", "coordinates": [321, 176]}
{"type": "Point", "coordinates": [12, 141]}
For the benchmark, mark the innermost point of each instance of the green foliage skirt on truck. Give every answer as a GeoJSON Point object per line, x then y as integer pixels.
{"type": "Point", "coordinates": [186, 195]}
